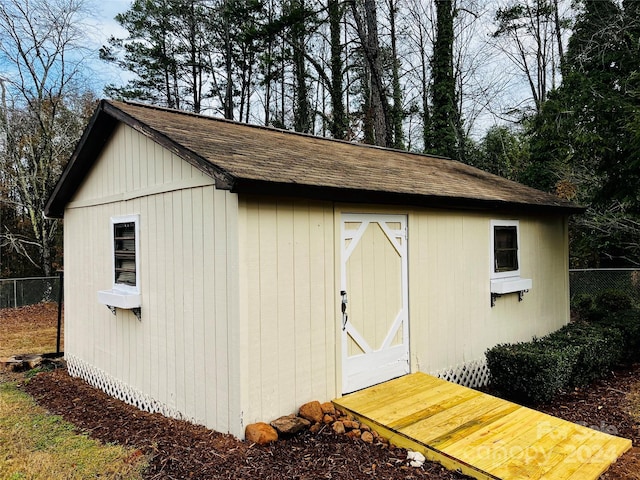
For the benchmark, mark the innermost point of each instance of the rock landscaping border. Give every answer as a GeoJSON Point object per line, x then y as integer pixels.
{"type": "Point", "coordinates": [313, 416]}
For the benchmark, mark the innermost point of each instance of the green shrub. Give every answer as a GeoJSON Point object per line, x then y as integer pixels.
{"type": "Point", "coordinates": [530, 372]}
{"type": "Point", "coordinates": [628, 323]}
{"type": "Point", "coordinates": [582, 305]}
{"type": "Point", "coordinates": [575, 355]}
{"type": "Point", "coordinates": [609, 302]}
{"type": "Point", "coordinates": [598, 349]}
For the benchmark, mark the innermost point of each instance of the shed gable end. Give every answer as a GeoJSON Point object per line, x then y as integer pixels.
{"type": "Point", "coordinates": [132, 166]}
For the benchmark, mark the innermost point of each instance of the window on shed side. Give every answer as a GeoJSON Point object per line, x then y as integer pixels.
{"type": "Point", "coordinates": [505, 249]}
{"type": "Point", "coordinates": [124, 253]}
{"type": "Point", "coordinates": [505, 244]}
{"type": "Point", "coordinates": [505, 260]}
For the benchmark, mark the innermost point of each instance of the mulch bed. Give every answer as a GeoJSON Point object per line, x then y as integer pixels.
{"type": "Point", "coordinates": [179, 450]}
{"type": "Point", "coordinates": [176, 449]}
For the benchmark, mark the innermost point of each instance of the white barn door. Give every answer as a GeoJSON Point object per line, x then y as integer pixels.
{"type": "Point", "coordinates": [374, 294]}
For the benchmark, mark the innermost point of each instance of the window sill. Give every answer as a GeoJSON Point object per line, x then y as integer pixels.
{"type": "Point", "coordinates": [119, 299]}
{"type": "Point", "coordinates": [501, 286]}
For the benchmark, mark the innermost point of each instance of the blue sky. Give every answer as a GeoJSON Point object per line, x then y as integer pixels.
{"type": "Point", "coordinates": [101, 27]}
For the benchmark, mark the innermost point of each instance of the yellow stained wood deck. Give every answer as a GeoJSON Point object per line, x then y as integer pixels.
{"type": "Point", "coordinates": [483, 436]}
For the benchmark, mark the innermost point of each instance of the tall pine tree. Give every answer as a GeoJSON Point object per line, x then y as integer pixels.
{"type": "Point", "coordinates": [580, 140]}
{"type": "Point", "coordinates": [150, 52]}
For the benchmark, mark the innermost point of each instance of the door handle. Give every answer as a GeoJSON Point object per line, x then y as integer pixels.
{"type": "Point", "coordinates": [343, 307]}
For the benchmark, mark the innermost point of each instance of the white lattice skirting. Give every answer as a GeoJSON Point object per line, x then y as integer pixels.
{"type": "Point", "coordinates": [118, 389]}
{"type": "Point", "coordinates": [471, 374]}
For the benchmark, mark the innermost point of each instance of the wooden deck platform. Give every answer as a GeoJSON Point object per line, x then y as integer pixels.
{"type": "Point", "coordinates": [480, 435]}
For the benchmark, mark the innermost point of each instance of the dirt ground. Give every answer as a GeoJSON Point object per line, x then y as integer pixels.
{"type": "Point", "coordinates": [29, 329]}
{"type": "Point", "coordinates": [178, 450]}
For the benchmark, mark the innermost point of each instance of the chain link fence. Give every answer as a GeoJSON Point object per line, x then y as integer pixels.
{"type": "Point", "coordinates": [593, 281]}
{"type": "Point", "coordinates": [18, 292]}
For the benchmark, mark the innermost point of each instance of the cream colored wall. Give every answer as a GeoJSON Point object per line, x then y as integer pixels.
{"type": "Point", "coordinates": [184, 351]}
{"type": "Point", "coordinates": [451, 321]}
{"type": "Point", "coordinates": [240, 301]}
{"type": "Point", "coordinates": [451, 318]}
{"type": "Point", "coordinates": [287, 305]}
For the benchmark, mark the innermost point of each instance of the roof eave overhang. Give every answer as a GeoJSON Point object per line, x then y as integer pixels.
{"type": "Point", "coordinates": [344, 195]}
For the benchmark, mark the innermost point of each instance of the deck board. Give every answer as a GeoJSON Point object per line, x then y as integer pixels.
{"type": "Point", "coordinates": [481, 435]}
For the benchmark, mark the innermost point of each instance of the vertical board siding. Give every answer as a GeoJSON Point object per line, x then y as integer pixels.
{"type": "Point", "coordinates": [209, 335]}
{"type": "Point", "coordinates": [249, 236]}
{"type": "Point", "coordinates": [152, 339]}
{"type": "Point", "coordinates": [178, 354]}
{"type": "Point", "coordinates": [451, 319]}
{"type": "Point", "coordinates": [268, 274]}
{"type": "Point", "coordinates": [167, 251]}
{"type": "Point", "coordinates": [301, 260]}
{"type": "Point", "coordinates": [288, 293]}
{"type": "Point", "coordinates": [229, 413]}
{"type": "Point", "coordinates": [198, 311]}
{"type": "Point", "coordinates": [286, 343]}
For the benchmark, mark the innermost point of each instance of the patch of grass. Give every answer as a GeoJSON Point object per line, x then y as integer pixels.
{"type": "Point", "coordinates": [37, 445]}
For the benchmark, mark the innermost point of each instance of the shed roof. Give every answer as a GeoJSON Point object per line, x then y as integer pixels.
{"type": "Point", "coordinates": [253, 159]}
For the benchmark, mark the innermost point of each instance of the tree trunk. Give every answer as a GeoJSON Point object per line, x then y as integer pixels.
{"type": "Point", "coordinates": [45, 250]}
{"type": "Point", "coordinates": [379, 104]}
{"type": "Point", "coordinates": [228, 63]}
{"type": "Point", "coordinates": [302, 107]}
{"type": "Point", "coordinates": [558, 32]}
{"type": "Point", "coordinates": [396, 111]}
{"type": "Point", "coordinates": [426, 114]}
{"type": "Point", "coordinates": [339, 122]}
{"type": "Point", "coordinates": [268, 70]}
{"type": "Point", "coordinates": [444, 136]}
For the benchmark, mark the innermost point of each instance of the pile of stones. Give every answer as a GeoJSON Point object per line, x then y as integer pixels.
{"type": "Point", "coordinates": [313, 416]}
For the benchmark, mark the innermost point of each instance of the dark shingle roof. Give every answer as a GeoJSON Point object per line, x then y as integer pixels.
{"type": "Point", "coordinates": [245, 158]}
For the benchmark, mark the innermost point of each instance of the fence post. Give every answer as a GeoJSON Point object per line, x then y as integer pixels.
{"type": "Point", "coordinates": [15, 293]}
{"type": "Point", "coordinates": [60, 292]}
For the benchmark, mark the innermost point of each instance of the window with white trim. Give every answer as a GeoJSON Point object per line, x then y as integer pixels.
{"type": "Point", "coordinates": [125, 265]}
{"type": "Point", "coordinates": [505, 260]}
{"type": "Point", "coordinates": [126, 252]}
{"type": "Point", "coordinates": [505, 253]}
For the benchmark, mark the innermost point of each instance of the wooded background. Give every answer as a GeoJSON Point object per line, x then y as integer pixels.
{"type": "Point", "coordinates": [545, 92]}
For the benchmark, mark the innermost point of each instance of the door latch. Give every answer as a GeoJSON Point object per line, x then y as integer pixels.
{"type": "Point", "coordinates": [343, 307]}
